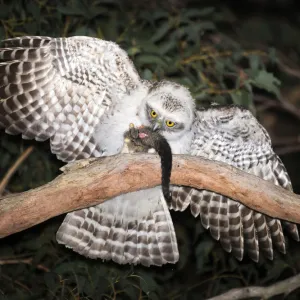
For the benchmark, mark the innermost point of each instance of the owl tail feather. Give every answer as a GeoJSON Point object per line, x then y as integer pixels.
{"type": "Point", "coordinates": [134, 228]}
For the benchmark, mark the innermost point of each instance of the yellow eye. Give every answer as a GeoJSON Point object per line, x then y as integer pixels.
{"type": "Point", "coordinates": [170, 123]}
{"type": "Point", "coordinates": [153, 114]}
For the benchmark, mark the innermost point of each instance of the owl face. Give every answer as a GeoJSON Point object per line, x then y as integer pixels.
{"type": "Point", "coordinates": [169, 109]}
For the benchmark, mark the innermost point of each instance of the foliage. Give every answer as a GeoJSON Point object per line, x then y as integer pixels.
{"type": "Point", "coordinates": [194, 46]}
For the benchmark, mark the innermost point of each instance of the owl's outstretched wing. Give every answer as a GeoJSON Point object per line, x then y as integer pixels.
{"type": "Point", "coordinates": [134, 228]}
{"type": "Point", "coordinates": [59, 88]}
{"type": "Point", "coordinates": [232, 135]}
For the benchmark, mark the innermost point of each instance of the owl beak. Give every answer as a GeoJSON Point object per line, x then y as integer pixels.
{"type": "Point", "coordinates": [156, 126]}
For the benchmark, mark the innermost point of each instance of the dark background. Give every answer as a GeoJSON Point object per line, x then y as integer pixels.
{"type": "Point", "coordinates": [243, 52]}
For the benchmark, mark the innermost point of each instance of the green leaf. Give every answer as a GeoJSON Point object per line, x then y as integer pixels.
{"type": "Point", "coordinates": [145, 59]}
{"type": "Point", "coordinates": [147, 74]}
{"type": "Point", "coordinates": [267, 81]}
{"type": "Point", "coordinates": [167, 46]}
{"type": "Point", "coordinates": [254, 61]}
{"type": "Point", "coordinates": [243, 98]}
{"type": "Point", "coordinates": [132, 51]}
{"type": "Point", "coordinates": [161, 32]}
{"type": "Point", "coordinates": [273, 55]}
{"type": "Point", "coordinates": [147, 283]}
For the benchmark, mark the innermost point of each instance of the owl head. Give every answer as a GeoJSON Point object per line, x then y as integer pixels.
{"type": "Point", "coordinates": [168, 108]}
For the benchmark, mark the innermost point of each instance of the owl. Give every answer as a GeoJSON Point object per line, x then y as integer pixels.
{"type": "Point", "coordinates": [81, 93]}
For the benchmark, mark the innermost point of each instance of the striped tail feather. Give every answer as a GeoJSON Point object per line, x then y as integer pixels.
{"type": "Point", "coordinates": [224, 225]}
{"type": "Point", "coordinates": [134, 228]}
{"type": "Point", "coordinates": [276, 232]}
{"type": "Point", "coordinates": [263, 234]}
{"type": "Point", "coordinates": [213, 214]}
{"type": "Point", "coordinates": [250, 237]}
{"type": "Point", "coordinates": [283, 179]}
{"type": "Point", "coordinates": [235, 229]}
{"type": "Point", "coordinates": [204, 199]}
{"type": "Point", "coordinates": [275, 171]}
{"type": "Point", "coordinates": [238, 228]}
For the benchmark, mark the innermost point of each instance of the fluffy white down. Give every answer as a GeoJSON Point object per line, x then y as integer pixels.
{"type": "Point", "coordinates": [132, 109]}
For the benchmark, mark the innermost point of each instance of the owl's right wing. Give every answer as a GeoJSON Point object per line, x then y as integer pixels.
{"type": "Point", "coordinates": [59, 88]}
{"type": "Point", "coordinates": [232, 135]}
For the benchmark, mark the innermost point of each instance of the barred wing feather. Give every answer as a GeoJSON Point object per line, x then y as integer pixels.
{"type": "Point", "coordinates": [59, 88]}
{"type": "Point", "coordinates": [232, 135]}
{"type": "Point", "coordinates": [127, 229]}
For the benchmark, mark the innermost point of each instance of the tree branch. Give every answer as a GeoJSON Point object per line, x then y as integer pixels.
{"type": "Point", "coordinates": [282, 287]}
{"type": "Point", "coordinates": [92, 181]}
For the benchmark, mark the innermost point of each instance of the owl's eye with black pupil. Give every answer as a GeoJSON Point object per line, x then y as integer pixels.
{"type": "Point", "coordinates": [153, 114]}
{"type": "Point", "coordinates": [170, 123]}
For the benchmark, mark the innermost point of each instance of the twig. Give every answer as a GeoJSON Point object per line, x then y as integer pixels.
{"type": "Point", "coordinates": [288, 70]}
{"type": "Point", "coordinates": [289, 107]}
{"type": "Point", "coordinates": [282, 287]}
{"type": "Point", "coordinates": [93, 181]}
{"type": "Point", "coordinates": [14, 168]}
{"type": "Point", "coordinates": [27, 261]}
{"type": "Point", "coordinates": [22, 285]}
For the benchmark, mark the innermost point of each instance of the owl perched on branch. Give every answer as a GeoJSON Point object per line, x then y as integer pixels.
{"type": "Point", "coordinates": [81, 93]}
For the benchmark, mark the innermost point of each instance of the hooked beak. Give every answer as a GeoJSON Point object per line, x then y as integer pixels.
{"type": "Point", "coordinates": [156, 126]}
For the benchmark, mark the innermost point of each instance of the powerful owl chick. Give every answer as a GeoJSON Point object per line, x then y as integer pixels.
{"type": "Point", "coordinates": [81, 93]}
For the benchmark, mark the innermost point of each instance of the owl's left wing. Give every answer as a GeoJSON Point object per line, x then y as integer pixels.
{"type": "Point", "coordinates": [232, 135]}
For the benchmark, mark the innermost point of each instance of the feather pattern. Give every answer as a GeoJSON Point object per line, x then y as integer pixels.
{"type": "Point", "coordinates": [232, 135]}
{"type": "Point", "coordinates": [82, 93]}
{"type": "Point", "coordinates": [59, 88]}
{"type": "Point", "coordinates": [125, 229]}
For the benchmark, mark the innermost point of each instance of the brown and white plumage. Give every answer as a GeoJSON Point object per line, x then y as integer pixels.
{"type": "Point", "coordinates": [232, 135]}
{"type": "Point", "coordinates": [54, 88]}
{"type": "Point", "coordinates": [123, 230]}
{"type": "Point", "coordinates": [81, 93]}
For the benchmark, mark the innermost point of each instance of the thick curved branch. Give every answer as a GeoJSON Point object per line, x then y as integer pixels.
{"type": "Point", "coordinates": [282, 287]}
{"type": "Point", "coordinates": [92, 181]}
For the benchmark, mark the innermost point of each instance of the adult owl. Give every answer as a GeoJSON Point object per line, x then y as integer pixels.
{"type": "Point", "coordinates": [82, 93]}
